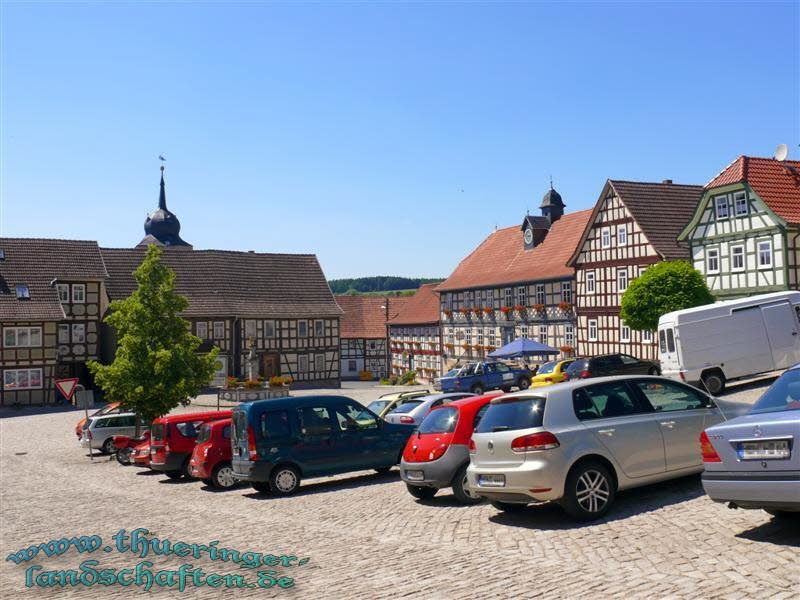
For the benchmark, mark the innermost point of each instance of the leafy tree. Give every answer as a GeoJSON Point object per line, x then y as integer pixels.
{"type": "Point", "coordinates": [157, 366]}
{"type": "Point", "coordinates": [662, 288]}
{"type": "Point", "coordinates": [379, 283]}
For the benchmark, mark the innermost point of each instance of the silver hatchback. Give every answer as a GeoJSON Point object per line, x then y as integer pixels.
{"type": "Point", "coordinates": [581, 441]}
{"type": "Point", "coordinates": [414, 410]}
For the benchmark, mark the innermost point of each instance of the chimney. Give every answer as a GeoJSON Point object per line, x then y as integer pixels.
{"type": "Point", "coordinates": [667, 181]}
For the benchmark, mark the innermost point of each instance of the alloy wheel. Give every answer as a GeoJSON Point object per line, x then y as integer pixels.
{"type": "Point", "coordinates": [592, 491]}
{"type": "Point", "coordinates": [286, 480]}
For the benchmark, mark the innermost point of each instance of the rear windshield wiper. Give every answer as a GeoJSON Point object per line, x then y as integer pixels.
{"type": "Point", "coordinates": [500, 428]}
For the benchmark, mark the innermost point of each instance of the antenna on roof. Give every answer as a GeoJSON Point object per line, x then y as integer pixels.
{"type": "Point", "coordinates": [781, 152]}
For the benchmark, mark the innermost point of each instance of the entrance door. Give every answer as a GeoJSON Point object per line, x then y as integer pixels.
{"type": "Point", "coordinates": [782, 333]}
{"type": "Point", "coordinates": [269, 365]}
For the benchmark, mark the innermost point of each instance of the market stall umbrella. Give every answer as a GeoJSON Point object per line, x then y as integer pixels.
{"type": "Point", "coordinates": [523, 347]}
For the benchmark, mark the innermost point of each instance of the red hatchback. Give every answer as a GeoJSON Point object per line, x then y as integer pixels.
{"type": "Point", "coordinates": [172, 440]}
{"type": "Point", "coordinates": [437, 455]}
{"type": "Point", "coordinates": [211, 458]}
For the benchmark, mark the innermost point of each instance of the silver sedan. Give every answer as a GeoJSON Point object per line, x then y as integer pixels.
{"type": "Point", "coordinates": [414, 410]}
{"type": "Point", "coordinates": [580, 442]}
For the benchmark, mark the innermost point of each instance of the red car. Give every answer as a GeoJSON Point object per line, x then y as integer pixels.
{"type": "Point", "coordinates": [437, 455]}
{"type": "Point", "coordinates": [211, 458]}
{"type": "Point", "coordinates": [141, 454]}
{"type": "Point", "coordinates": [172, 440]}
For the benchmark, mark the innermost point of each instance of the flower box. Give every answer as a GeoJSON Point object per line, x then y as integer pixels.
{"type": "Point", "coordinates": [538, 308]}
{"type": "Point", "coordinates": [505, 310]}
{"type": "Point", "coordinates": [520, 309]}
{"type": "Point", "coordinates": [565, 306]}
{"type": "Point", "coordinates": [488, 310]}
{"type": "Point", "coordinates": [567, 349]}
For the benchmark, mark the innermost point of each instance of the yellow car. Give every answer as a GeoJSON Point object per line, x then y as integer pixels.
{"type": "Point", "coordinates": [389, 402]}
{"type": "Point", "coordinates": [551, 372]}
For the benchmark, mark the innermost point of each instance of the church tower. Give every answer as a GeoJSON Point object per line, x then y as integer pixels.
{"type": "Point", "coordinates": [161, 226]}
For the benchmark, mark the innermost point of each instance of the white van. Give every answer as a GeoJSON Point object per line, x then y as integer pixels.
{"type": "Point", "coordinates": [731, 339]}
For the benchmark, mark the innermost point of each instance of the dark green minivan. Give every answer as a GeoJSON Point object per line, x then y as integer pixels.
{"type": "Point", "coordinates": [277, 442]}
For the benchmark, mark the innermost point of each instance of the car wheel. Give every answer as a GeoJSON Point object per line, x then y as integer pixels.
{"type": "Point", "coordinates": [284, 480]}
{"type": "Point", "coordinates": [506, 389]}
{"type": "Point", "coordinates": [524, 383]}
{"type": "Point", "coordinates": [653, 371]}
{"type": "Point", "coordinates": [507, 506]}
{"type": "Point", "coordinates": [222, 476]}
{"type": "Point", "coordinates": [783, 514]}
{"type": "Point", "coordinates": [421, 492]}
{"type": "Point", "coordinates": [175, 475]}
{"type": "Point", "coordinates": [461, 490]}
{"type": "Point", "coordinates": [714, 382]}
{"type": "Point", "coordinates": [589, 492]}
{"type": "Point", "coordinates": [108, 447]}
{"type": "Point", "coordinates": [262, 487]}
{"type": "Point", "coordinates": [124, 456]}
{"type": "Point", "coordinates": [477, 389]}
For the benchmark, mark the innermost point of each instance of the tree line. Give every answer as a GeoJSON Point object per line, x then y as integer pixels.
{"type": "Point", "coordinates": [379, 283]}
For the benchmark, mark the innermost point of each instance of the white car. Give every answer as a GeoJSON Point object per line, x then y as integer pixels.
{"type": "Point", "coordinates": [99, 431]}
{"type": "Point", "coordinates": [579, 442]}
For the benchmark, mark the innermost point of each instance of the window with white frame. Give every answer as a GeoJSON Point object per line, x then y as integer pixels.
{"type": "Point", "coordinates": [712, 260]}
{"type": "Point", "coordinates": [509, 296]}
{"type": "Point", "coordinates": [566, 292]}
{"type": "Point", "coordinates": [219, 330]}
{"type": "Point", "coordinates": [737, 258]}
{"type": "Point", "coordinates": [622, 280]}
{"type": "Point", "coordinates": [78, 333]}
{"type": "Point", "coordinates": [647, 336]}
{"type": "Point", "coordinates": [22, 379]}
{"type": "Point", "coordinates": [468, 336]}
{"type": "Point", "coordinates": [521, 296]}
{"type": "Point", "coordinates": [523, 331]}
{"type": "Point", "coordinates": [78, 293]}
{"type": "Point", "coordinates": [590, 282]}
{"type": "Point", "coordinates": [740, 205]}
{"type": "Point", "coordinates": [541, 297]}
{"type": "Point", "coordinates": [721, 208]}
{"type": "Point", "coordinates": [319, 363]}
{"type": "Point", "coordinates": [63, 292]}
{"type": "Point", "coordinates": [480, 337]}
{"type": "Point", "coordinates": [765, 254]}
{"type": "Point", "coordinates": [22, 337]}
{"type": "Point", "coordinates": [302, 363]}
{"type": "Point", "coordinates": [249, 329]}
{"type": "Point", "coordinates": [269, 329]}
{"type": "Point", "coordinates": [63, 334]}
{"type": "Point", "coordinates": [592, 330]}
{"type": "Point", "coordinates": [569, 334]}
{"type": "Point", "coordinates": [319, 328]}
{"type": "Point", "coordinates": [201, 330]}
{"type": "Point", "coordinates": [622, 235]}
{"type": "Point", "coordinates": [302, 328]}
{"type": "Point", "coordinates": [543, 334]}
{"type": "Point", "coordinates": [605, 237]}
{"type": "Point", "coordinates": [624, 333]}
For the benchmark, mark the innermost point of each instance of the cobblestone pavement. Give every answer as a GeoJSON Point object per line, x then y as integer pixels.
{"type": "Point", "coordinates": [367, 538]}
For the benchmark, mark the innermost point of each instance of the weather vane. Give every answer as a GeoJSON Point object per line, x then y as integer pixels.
{"type": "Point", "coordinates": [163, 160]}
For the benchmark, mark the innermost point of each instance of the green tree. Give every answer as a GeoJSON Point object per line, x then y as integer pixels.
{"type": "Point", "coordinates": [662, 288]}
{"type": "Point", "coordinates": [157, 366]}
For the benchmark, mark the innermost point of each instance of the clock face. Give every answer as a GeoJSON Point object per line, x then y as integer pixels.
{"type": "Point", "coordinates": [528, 236]}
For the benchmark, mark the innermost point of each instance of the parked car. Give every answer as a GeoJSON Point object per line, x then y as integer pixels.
{"type": "Point", "coordinates": [437, 383]}
{"type": "Point", "coordinates": [413, 411]}
{"type": "Point", "coordinates": [124, 446]}
{"type": "Point", "coordinates": [610, 364]}
{"type": "Point", "coordinates": [98, 432]}
{"type": "Point", "coordinates": [389, 402]}
{"type": "Point", "coordinates": [579, 442]}
{"type": "Point", "coordinates": [211, 457]}
{"type": "Point", "coordinates": [172, 439]}
{"type": "Point", "coordinates": [278, 442]}
{"type": "Point", "coordinates": [437, 455]}
{"type": "Point", "coordinates": [713, 344]}
{"type": "Point", "coordinates": [753, 461]}
{"type": "Point", "coordinates": [140, 456]}
{"type": "Point", "coordinates": [478, 377]}
{"type": "Point", "coordinates": [551, 372]}
{"type": "Point", "coordinates": [108, 409]}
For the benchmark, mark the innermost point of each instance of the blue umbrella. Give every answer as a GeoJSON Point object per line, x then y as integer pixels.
{"type": "Point", "coordinates": [522, 347]}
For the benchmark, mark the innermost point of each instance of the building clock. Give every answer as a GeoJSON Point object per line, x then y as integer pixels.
{"type": "Point", "coordinates": [529, 236]}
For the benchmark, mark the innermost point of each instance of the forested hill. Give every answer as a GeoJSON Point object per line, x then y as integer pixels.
{"type": "Point", "coordinates": [380, 283]}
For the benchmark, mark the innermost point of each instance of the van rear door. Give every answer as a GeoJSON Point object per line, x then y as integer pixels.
{"type": "Point", "coordinates": [781, 324]}
{"type": "Point", "coordinates": [239, 439]}
{"type": "Point", "coordinates": [668, 354]}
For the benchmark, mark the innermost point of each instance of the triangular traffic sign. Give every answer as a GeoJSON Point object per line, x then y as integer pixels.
{"type": "Point", "coordinates": [67, 386]}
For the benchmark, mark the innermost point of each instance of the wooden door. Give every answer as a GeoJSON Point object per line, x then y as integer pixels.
{"type": "Point", "coordinates": [269, 365]}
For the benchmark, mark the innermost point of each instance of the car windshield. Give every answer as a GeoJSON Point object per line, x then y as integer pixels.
{"type": "Point", "coordinates": [452, 372]}
{"type": "Point", "coordinates": [406, 407]}
{"type": "Point", "coordinates": [577, 366]}
{"type": "Point", "coordinates": [441, 420]}
{"type": "Point", "coordinates": [514, 413]}
{"type": "Point", "coordinates": [547, 368]}
{"type": "Point", "coordinates": [782, 395]}
{"type": "Point", "coordinates": [377, 406]}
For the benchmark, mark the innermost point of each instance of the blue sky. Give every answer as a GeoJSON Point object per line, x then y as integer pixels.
{"type": "Point", "coordinates": [387, 138]}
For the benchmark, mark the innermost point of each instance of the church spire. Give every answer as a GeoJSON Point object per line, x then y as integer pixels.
{"type": "Point", "coordinates": [162, 197]}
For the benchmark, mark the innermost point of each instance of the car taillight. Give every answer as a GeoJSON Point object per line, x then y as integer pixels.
{"type": "Point", "coordinates": [707, 450]}
{"type": "Point", "coordinates": [407, 420]}
{"type": "Point", "coordinates": [548, 379]}
{"type": "Point", "coordinates": [251, 443]}
{"type": "Point", "coordinates": [437, 452]}
{"type": "Point", "coordinates": [585, 373]}
{"type": "Point", "coordinates": [472, 448]}
{"type": "Point", "coordinates": [536, 441]}
{"type": "Point", "coordinates": [682, 375]}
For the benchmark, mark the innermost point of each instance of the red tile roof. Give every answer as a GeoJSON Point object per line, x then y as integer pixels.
{"type": "Point", "coordinates": [364, 316]}
{"type": "Point", "coordinates": [777, 183]}
{"type": "Point", "coordinates": [420, 309]}
{"type": "Point", "coordinates": [502, 259]}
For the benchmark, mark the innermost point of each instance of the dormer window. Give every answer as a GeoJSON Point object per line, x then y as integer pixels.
{"type": "Point", "coordinates": [721, 208]}
{"type": "Point", "coordinates": [22, 292]}
{"type": "Point", "coordinates": [63, 292]}
{"type": "Point", "coordinates": [78, 293]}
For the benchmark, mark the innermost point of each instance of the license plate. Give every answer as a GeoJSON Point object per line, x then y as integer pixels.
{"type": "Point", "coordinates": [764, 450]}
{"type": "Point", "coordinates": [492, 480]}
{"type": "Point", "coordinates": [415, 475]}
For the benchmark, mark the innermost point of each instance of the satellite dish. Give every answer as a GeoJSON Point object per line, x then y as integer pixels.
{"type": "Point", "coordinates": [781, 152]}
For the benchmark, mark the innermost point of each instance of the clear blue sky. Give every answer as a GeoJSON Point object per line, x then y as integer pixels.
{"type": "Point", "coordinates": [350, 129]}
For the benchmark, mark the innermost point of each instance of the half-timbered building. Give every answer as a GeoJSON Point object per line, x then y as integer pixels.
{"type": "Point", "coordinates": [52, 297]}
{"type": "Point", "coordinates": [363, 334]}
{"type": "Point", "coordinates": [415, 335]}
{"type": "Point", "coordinates": [632, 226]}
{"type": "Point", "coordinates": [744, 235]}
{"type": "Point", "coordinates": [516, 283]}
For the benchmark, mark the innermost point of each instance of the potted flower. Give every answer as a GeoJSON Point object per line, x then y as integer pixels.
{"type": "Point", "coordinates": [449, 346]}
{"type": "Point", "coordinates": [231, 383]}
{"type": "Point", "coordinates": [489, 348]}
{"type": "Point", "coordinates": [466, 346]}
{"type": "Point", "coordinates": [447, 313]}
{"type": "Point", "coordinates": [565, 306]}
{"type": "Point", "coordinates": [520, 309]}
{"type": "Point", "coordinates": [567, 349]}
{"type": "Point", "coordinates": [505, 310]}
{"type": "Point", "coordinates": [538, 308]}
{"type": "Point", "coordinates": [488, 310]}
{"type": "Point", "coordinates": [465, 311]}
